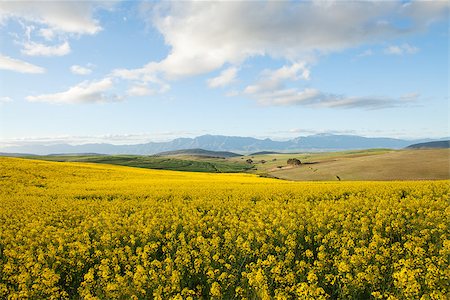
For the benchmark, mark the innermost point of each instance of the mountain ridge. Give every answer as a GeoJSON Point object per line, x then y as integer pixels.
{"type": "Point", "coordinates": [431, 145]}
{"type": "Point", "coordinates": [239, 144]}
{"type": "Point", "coordinates": [199, 152]}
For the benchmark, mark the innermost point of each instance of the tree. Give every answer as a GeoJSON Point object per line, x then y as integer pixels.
{"type": "Point", "coordinates": [294, 162]}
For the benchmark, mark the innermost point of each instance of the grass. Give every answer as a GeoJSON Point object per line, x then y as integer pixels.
{"type": "Point", "coordinates": [361, 165]}
{"type": "Point", "coordinates": [370, 164]}
{"type": "Point", "coordinates": [191, 164]}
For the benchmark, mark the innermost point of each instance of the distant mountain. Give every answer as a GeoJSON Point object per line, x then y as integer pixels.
{"type": "Point", "coordinates": [435, 144]}
{"type": "Point", "coordinates": [199, 152]}
{"type": "Point", "coordinates": [10, 154]}
{"type": "Point", "coordinates": [319, 142]}
{"type": "Point", "coordinates": [264, 153]}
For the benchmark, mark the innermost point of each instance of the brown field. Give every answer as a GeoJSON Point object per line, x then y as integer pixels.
{"type": "Point", "coordinates": [362, 165]}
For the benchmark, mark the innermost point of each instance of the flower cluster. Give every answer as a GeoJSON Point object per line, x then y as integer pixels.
{"type": "Point", "coordinates": [72, 230]}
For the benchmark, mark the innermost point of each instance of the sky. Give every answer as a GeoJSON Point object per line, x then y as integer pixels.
{"type": "Point", "coordinates": [131, 72]}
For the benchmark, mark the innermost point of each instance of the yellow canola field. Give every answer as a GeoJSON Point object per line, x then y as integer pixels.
{"type": "Point", "coordinates": [73, 230]}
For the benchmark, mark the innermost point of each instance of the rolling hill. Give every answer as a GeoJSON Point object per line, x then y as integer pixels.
{"type": "Point", "coordinates": [376, 164]}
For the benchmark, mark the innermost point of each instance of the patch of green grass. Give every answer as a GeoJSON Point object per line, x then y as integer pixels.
{"type": "Point", "coordinates": [157, 162]}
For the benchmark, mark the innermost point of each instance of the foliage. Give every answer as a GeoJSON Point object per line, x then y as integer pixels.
{"type": "Point", "coordinates": [294, 161]}
{"type": "Point", "coordinates": [73, 230]}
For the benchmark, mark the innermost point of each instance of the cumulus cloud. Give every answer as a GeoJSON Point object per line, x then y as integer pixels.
{"type": "Point", "coordinates": [79, 70]}
{"type": "Point", "coordinates": [141, 79]}
{"type": "Point", "coordinates": [16, 65]}
{"type": "Point", "coordinates": [52, 20]}
{"type": "Point", "coordinates": [38, 49]}
{"type": "Point", "coordinates": [74, 17]}
{"type": "Point", "coordinates": [85, 92]}
{"type": "Point", "coordinates": [226, 77]}
{"type": "Point", "coordinates": [401, 49]}
{"type": "Point", "coordinates": [204, 36]}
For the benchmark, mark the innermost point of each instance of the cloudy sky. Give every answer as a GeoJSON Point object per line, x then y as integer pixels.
{"type": "Point", "coordinates": [129, 72]}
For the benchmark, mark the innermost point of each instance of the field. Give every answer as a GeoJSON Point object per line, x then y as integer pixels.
{"type": "Point", "coordinates": [376, 164]}
{"type": "Point", "coordinates": [93, 231]}
{"type": "Point", "coordinates": [174, 163]}
{"type": "Point", "coordinates": [371, 164]}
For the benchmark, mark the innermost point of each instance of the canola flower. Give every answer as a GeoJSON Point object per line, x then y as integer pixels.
{"type": "Point", "coordinates": [73, 230]}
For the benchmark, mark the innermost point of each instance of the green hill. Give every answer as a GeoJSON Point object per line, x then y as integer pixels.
{"type": "Point", "coordinates": [212, 165]}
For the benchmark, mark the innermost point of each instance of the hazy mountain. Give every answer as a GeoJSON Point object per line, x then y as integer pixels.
{"type": "Point", "coordinates": [429, 145]}
{"type": "Point", "coordinates": [319, 142]}
{"type": "Point", "coordinates": [199, 152]}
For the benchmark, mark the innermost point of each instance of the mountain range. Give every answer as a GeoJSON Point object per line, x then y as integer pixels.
{"type": "Point", "coordinates": [431, 145]}
{"type": "Point", "coordinates": [318, 142]}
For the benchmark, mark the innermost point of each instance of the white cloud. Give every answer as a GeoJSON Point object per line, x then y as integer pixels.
{"type": "Point", "coordinates": [271, 90]}
{"type": "Point", "coordinates": [140, 79]}
{"type": "Point", "coordinates": [79, 70]}
{"type": "Point", "coordinates": [275, 79]}
{"type": "Point", "coordinates": [52, 20]}
{"type": "Point", "coordinates": [47, 33]}
{"type": "Point", "coordinates": [140, 90]}
{"type": "Point", "coordinates": [75, 17]}
{"type": "Point", "coordinates": [293, 72]}
{"type": "Point", "coordinates": [280, 96]}
{"type": "Point", "coordinates": [37, 49]}
{"type": "Point", "coordinates": [12, 64]}
{"type": "Point", "coordinates": [85, 92]}
{"type": "Point", "coordinates": [226, 77]}
{"type": "Point", "coordinates": [401, 49]}
{"type": "Point", "coordinates": [5, 99]}
{"type": "Point", "coordinates": [285, 96]}
{"type": "Point", "coordinates": [204, 36]}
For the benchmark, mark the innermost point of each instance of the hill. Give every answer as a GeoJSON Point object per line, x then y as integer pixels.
{"type": "Point", "coordinates": [359, 165]}
{"type": "Point", "coordinates": [199, 152]}
{"type": "Point", "coordinates": [430, 145]}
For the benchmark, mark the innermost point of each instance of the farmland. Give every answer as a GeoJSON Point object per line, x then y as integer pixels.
{"type": "Point", "coordinates": [371, 164]}
{"type": "Point", "coordinates": [174, 163]}
{"type": "Point", "coordinates": [77, 230]}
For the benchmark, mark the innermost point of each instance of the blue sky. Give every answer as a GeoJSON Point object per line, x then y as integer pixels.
{"type": "Point", "coordinates": [131, 72]}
